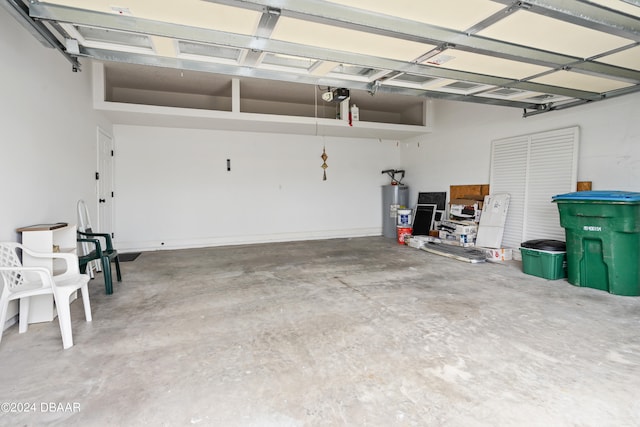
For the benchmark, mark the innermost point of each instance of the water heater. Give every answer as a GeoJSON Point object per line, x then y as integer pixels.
{"type": "Point", "coordinates": [393, 198]}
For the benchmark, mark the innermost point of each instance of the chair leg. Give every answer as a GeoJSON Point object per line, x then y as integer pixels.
{"type": "Point", "coordinates": [89, 269]}
{"type": "Point", "coordinates": [117, 261]}
{"type": "Point", "coordinates": [106, 272]}
{"type": "Point", "coordinates": [85, 302]}
{"type": "Point", "coordinates": [64, 318]}
{"type": "Point", "coordinates": [3, 316]}
{"type": "Point", "coordinates": [23, 317]}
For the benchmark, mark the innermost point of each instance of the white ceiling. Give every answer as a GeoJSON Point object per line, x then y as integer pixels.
{"type": "Point", "coordinates": [539, 54]}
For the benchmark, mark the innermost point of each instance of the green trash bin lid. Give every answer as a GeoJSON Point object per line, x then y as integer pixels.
{"type": "Point", "coordinates": [607, 196]}
{"type": "Point", "coordinates": [545, 245]}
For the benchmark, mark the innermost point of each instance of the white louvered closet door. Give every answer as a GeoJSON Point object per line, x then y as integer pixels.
{"type": "Point", "coordinates": [508, 175]}
{"type": "Point", "coordinates": [533, 168]}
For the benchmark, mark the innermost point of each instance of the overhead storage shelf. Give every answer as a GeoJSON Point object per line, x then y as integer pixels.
{"type": "Point", "coordinates": [227, 106]}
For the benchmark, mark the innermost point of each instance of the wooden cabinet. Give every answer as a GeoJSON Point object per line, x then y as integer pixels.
{"type": "Point", "coordinates": [46, 238]}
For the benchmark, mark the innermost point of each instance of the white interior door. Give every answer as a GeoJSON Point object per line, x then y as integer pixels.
{"type": "Point", "coordinates": [105, 183]}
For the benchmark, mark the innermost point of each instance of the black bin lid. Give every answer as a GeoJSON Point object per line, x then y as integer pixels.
{"type": "Point", "coordinates": [545, 245]}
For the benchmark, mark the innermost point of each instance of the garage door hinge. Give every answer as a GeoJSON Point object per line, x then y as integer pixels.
{"type": "Point", "coordinates": [112, 194]}
{"type": "Point", "coordinates": [113, 235]}
{"type": "Point", "coordinates": [111, 153]}
{"type": "Point", "coordinates": [97, 175]}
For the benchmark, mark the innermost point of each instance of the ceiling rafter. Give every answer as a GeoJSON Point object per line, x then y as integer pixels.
{"type": "Point", "coordinates": [489, 62]}
{"type": "Point", "coordinates": [376, 23]}
{"type": "Point", "coordinates": [181, 32]}
{"type": "Point", "coordinates": [186, 64]}
{"type": "Point", "coordinates": [267, 23]}
{"type": "Point", "coordinates": [498, 16]}
{"type": "Point", "coordinates": [586, 14]}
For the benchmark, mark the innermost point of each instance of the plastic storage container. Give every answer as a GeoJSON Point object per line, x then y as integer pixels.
{"type": "Point", "coordinates": [544, 258]}
{"type": "Point", "coordinates": [404, 232]}
{"type": "Point", "coordinates": [355, 113]}
{"type": "Point", "coordinates": [603, 239]}
{"type": "Point", "coordinates": [404, 217]}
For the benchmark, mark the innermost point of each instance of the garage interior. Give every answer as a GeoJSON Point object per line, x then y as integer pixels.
{"type": "Point", "coordinates": [265, 294]}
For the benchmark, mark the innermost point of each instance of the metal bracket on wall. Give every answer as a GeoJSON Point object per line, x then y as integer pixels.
{"type": "Point", "coordinates": [20, 12]}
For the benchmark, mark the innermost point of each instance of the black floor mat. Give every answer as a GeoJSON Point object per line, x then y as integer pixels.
{"type": "Point", "coordinates": [128, 257]}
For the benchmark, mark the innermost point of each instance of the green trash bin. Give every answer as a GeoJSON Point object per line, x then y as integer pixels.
{"type": "Point", "coordinates": [602, 230]}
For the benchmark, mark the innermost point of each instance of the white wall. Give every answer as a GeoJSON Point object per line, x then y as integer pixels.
{"type": "Point", "coordinates": [458, 150]}
{"type": "Point", "coordinates": [173, 189]}
{"type": "Point", "coordinates": [48, 140]}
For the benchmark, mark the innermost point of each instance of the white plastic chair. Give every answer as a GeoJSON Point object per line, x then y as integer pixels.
{"type": "Point", "coordinates": [24, 282]}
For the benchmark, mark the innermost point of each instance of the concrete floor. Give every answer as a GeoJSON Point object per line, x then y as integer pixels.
{"type": "Point", "coordinates": [345, 332]}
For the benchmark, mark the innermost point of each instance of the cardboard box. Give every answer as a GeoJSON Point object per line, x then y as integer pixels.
{"type": "Point", "coordinates": [459, 227]}
{"type": "Point", "coordinates": [457, 243]}
{"type": "Point", "coordinates": [463, 191]}
{"type": "Point", "coordinates": [467, 202]}
{"type": "Point", "coordinates": [501, 254]}
{"type": "Point", "coordinates": [465, 209]}
{"type": "Point", "coordinates": [459, 239]}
